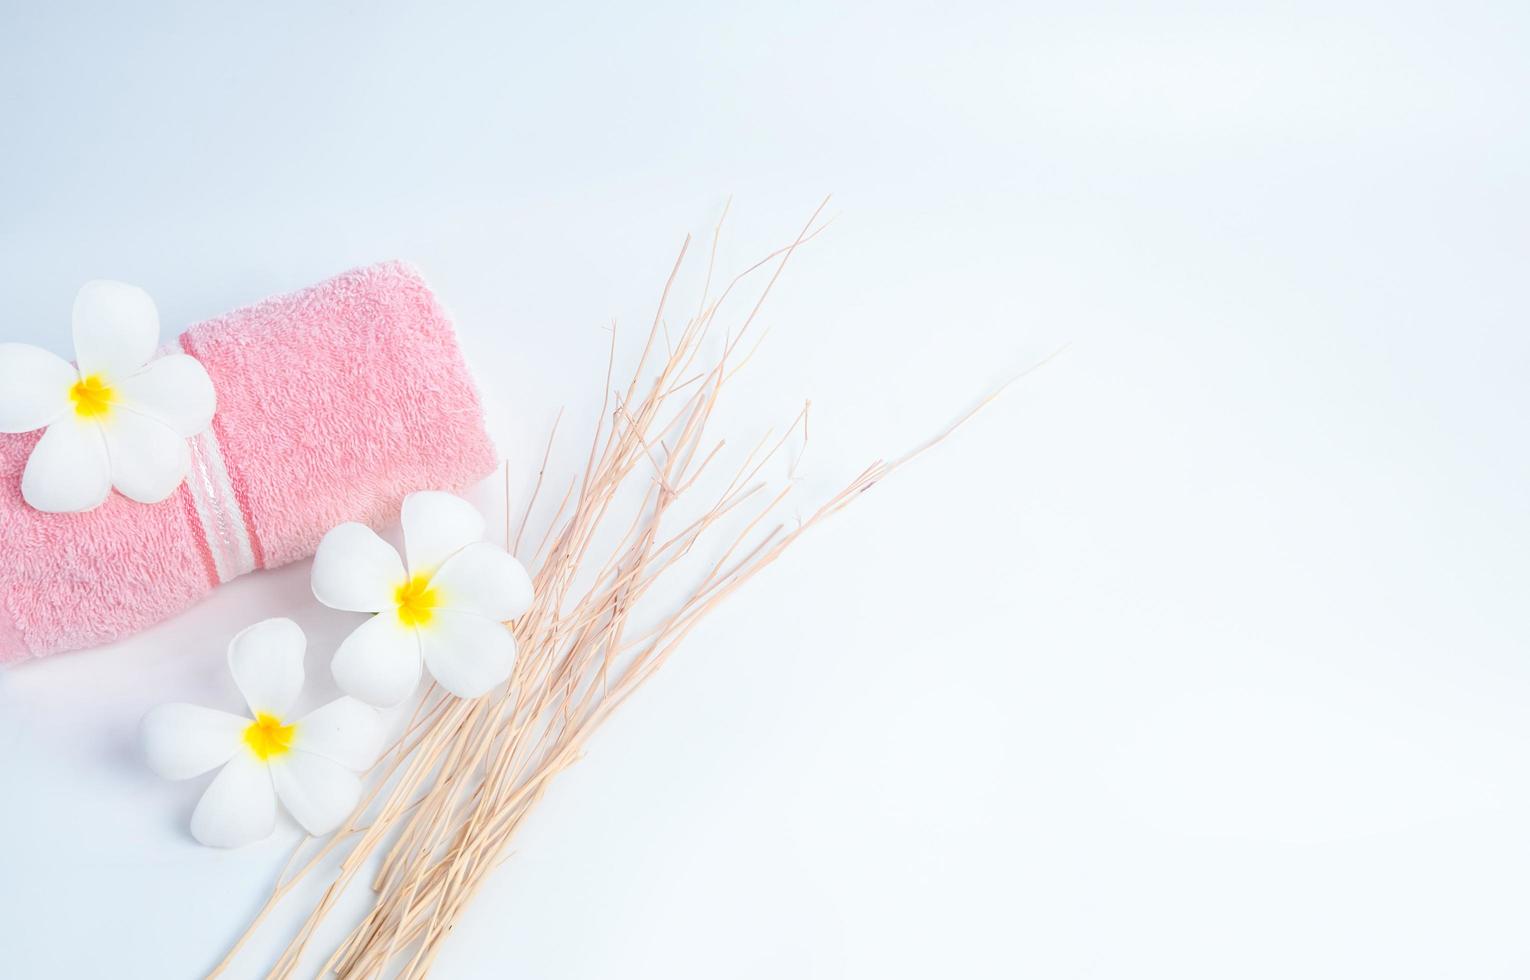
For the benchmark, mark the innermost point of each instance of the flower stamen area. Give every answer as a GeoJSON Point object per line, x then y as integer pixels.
{"type": "Point", "coordinates": [92, 397]}
{"type": "Point", "coordinates": [416, 601]}
{"type": "Point", "coordinates": [268, 737]}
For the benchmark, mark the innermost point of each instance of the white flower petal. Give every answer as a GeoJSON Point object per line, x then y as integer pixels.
{"type": "Point", "coordinates": [239, 806]}
{"type": "Point", "coordinates": [34, 387]}
{"type": "Point", "coordinates": [356, 570]}
{"type": "Point", "coordinates": [379, 662]}
{"type": "Point", "coordinates": [175, 390]}
{"type": "Point", "coordinates": [116, 329]}
{"type": "Point", "coordinates": [482, 578]}
{"type": "Point", "coordinates": [467, 654]}
{"type": "Point", "coordinates": [318, 792]}
{"type": "Point", "coordinates": [436, 526]}
{"type": "Point", "coordinates": [344, 731]}
{"type": "Point", "coordinates": [148, 458]}
{"type": "Point", "coordinates": [267, 663]}
{"type": "Point", "coordinates": [68, 471]}
{"type": "Point", "coordinates": [185, 740]}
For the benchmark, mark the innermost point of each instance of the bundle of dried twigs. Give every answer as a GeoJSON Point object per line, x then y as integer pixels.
{"type": "Point", "coordinates": [449, 797]}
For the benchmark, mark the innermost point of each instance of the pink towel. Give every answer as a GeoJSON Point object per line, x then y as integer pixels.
{"type": "Point", "coordinates": [333, 404]}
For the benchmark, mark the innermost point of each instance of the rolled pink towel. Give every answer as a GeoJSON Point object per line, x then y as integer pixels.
{"type": "Point", "coordinates": [334, 403]}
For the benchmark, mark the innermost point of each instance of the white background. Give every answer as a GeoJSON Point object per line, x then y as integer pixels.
{"type": "Point", "coordinates": [1200, 655]}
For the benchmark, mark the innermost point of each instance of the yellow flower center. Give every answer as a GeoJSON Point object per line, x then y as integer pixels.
{"type": "Point", "coordinates": [416, 600]}
{"type": "Point", "coordinates": [268, 737]}
{"type": "Point", "coordinates": [92, 397]}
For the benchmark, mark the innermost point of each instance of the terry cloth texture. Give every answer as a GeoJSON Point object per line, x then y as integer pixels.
{"type": "Point", "coordinates": [334, 403]}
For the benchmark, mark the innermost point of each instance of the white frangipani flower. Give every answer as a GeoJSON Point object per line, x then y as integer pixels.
{"type": "Point", "coordinates": [448, 608]}
{"type": "Point", "coordinates": [118, 419]}
{"type": "Point", "coordinates": [309, 763]}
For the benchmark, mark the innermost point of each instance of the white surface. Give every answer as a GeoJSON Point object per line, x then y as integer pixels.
{"type": "Point", "coordinates": [1201, 655]}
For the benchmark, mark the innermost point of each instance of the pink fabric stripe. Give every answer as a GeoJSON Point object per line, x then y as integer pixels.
{"type": "Point", "coordinates": [235, 476]}
{"type": "Point", "coordinates": [218, 509]}
{"type": "Point", "coordinates": [200, 533]}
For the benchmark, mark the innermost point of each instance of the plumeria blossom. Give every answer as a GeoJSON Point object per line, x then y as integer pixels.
{"type": "Point", "coordinates": [118, 419]}
{"type": "Point", "coordinates": [448, 607]}
{"type": "Point", "coordinates": [309, 763]}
